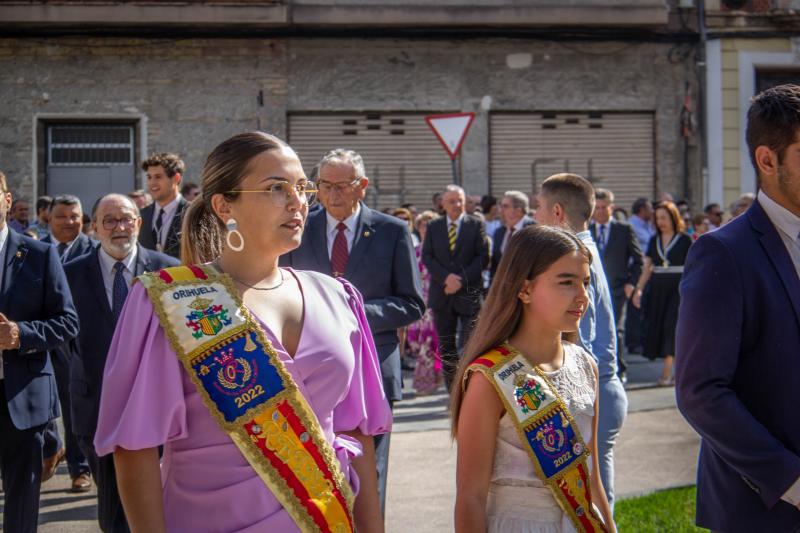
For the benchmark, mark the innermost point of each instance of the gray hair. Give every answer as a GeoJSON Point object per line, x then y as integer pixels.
{"type": "Point", "coordinates": [343, 155]}
{"type": "Point", "coordinates": [604, 194]}
{"type": "Point", "coordinates": [455, 188]}
{"type": "Point", "coordinates": [124, 197]}
{"type": "Point", "coordinates": [66, 199]}
{"type": "Point", "coordinates": [519, 199]}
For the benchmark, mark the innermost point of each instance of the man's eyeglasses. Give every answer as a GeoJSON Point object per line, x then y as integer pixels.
{"type": "Point", "coordinates": [327, 186]}
{"type": "Point", "coordinates": [110, 223]}
{"type": "Point", "coordinates": [280, 193]}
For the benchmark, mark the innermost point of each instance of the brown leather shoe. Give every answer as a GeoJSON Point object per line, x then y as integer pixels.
{"type": "Point", "coordinates": [82, 482]}
{"type": "Point", "coordinates": [49, 464]}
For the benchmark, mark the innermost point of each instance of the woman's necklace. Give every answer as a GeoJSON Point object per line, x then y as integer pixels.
{"type": "Point", "coordinates": [216, 264]}
{"type": "Point", "coordinates": [662, 253]}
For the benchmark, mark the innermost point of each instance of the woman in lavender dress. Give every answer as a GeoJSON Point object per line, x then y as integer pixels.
{"type": "Point", "coordinates": [422, 340]}
{"type": "Point", "coordinates": [315, 323]}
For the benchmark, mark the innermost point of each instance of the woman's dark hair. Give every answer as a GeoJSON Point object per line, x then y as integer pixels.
{"type": "Point", "coordinates": [531, 251]}
{"type": "Point", "coordinates": [678, 226]}
{"type": "Point", "coordinates": [225, 168]}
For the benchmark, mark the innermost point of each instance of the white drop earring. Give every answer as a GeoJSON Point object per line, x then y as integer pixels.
{"type": "Point", "coordinates": [231, 226]}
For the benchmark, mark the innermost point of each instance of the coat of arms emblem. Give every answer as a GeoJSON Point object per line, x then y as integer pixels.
{"type": "Point", "coordinates": [206, 319]}
{"type": "Point", "coordinates": [529, 394]}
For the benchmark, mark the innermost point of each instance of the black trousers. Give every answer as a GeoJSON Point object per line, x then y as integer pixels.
{"type": "Point", "coordinates": [448, 326]}
{"type": "Point", "coordinates": [76, 461]}
{"type": "Point", "coordinates": [110, 514]}
{"type": "Point", "coordinates": [21, 464]}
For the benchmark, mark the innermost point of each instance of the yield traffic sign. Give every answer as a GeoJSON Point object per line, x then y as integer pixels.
{"type": "Point", "coordinates": [451, 129]}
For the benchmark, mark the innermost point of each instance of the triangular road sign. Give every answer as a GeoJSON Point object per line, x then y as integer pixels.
{"type": "Point", "coordinates": [451, 130]}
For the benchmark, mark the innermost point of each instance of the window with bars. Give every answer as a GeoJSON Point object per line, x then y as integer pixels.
{"type": "Point", "coordinates": [90, 145]}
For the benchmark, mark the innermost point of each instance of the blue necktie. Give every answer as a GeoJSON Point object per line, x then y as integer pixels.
{"type": "Point", "coordinates": [119, 292]}
{"type": "Point", "coordinates": [601, 239]}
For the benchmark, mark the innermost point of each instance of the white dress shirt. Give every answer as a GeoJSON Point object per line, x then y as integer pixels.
{"type": "Point", "coordinates": [107, 269]}
{"type": "Point", "coordinates": [3, 242]}
{"type": "Point", "coordinates": [350, 233]}
{"type": "Point", "coordinates": [606, 229]}
{"type": "Point", "coordinates": [457, 221]}
{"type": "Point", "coordinates": [788, 226]}
{"type": "Point", "coordinates": [56, 242]}
{"type": "Point", "coordinates": [169, 214]}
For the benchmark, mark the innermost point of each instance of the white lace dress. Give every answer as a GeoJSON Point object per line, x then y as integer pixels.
{"type": "Point", "coordinates": [518, 502]}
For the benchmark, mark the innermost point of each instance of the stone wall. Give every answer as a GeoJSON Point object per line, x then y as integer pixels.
{"type": "Point", "coordinates": [193, 93]}
{"type": "Point", "coordinates": [474, 75]}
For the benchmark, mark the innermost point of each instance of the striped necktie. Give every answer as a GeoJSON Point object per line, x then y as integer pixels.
{"type": "Point", "coordinates": [451, 236]}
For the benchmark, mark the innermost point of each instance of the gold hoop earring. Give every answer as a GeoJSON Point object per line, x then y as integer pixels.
{"type": "Point", "coordinates": [231, 226]}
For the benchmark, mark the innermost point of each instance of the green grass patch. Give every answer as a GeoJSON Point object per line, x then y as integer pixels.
{"type": "Point", "coordinates": [668, 511]}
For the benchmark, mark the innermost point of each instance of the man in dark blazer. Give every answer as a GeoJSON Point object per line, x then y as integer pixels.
{"type": "Point", "coordinates": [622, 261]}
{"type": "Point", "coordinates": [92, 279]}
{"type": "Point", "coordinates": [36, 315]}
{"type": "Point", "coordinates": [66, 228]}
{"type": "Point", "coordinates": [455, 253]}
{"type": "Point", "coordinates": [67, 237]}
{"type": "Point", "coordinates": [161, 220]}
{"type": "Point", "coordinates": [373, 251]}
{"type": "Point", "coordinates": [737, 361]}
{"type": "Point", "coordinates": [514, 207]}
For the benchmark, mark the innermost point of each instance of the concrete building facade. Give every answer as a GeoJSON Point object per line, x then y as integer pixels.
{"type": "Point", "coordinates": [623, 91]}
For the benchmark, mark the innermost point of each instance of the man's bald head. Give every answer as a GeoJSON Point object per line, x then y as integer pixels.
{"type": "Point", "coordinates": [116, 222]}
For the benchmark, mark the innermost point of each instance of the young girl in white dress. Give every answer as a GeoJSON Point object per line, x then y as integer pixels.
{"type": "Point", "coordinates": [534, 304]}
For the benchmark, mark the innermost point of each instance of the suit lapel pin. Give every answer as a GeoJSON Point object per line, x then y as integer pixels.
{"type": "Point", "coordinates": [366, 233]}
{"type": "Point", "coordinates": [19, 254]}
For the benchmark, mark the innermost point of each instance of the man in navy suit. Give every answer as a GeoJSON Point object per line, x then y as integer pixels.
{"type": "Point", "coordinates": [622, 260]}
{"type": "Point", "coordinates": [514, 207]}
{"type": "Point", "coordinates": [67, 237]}
{"type": "Point", "coordinates": [36, 315]}
{"type": "Point", "coordinates": [373, 251]}
{"type": "Point", "coordinates": [737, 362]}
{"type": "Point", "coordinates": [455, 252]}
{"type": "Point", "coordinates": [99, 282]}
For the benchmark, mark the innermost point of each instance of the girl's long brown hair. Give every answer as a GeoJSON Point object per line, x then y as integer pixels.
{"type": "Point", "coordinates": [530, 252]}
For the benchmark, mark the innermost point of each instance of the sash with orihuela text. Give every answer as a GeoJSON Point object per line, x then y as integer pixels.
{"type": "Point", "coordinates": [251, 395]}
{"type": "Point", "coordinates": [547, 431]}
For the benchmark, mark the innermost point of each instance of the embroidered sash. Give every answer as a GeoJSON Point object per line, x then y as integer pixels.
{"type": "Point", "coordinates": [251, 395]}
{"type": "Point", "coordinates": [547, 430]}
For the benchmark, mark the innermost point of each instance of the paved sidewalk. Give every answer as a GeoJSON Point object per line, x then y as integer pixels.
{"type": "Point", "coordinates": [655, 450]}
{"type": "Point", "coordinates": [422, 463]}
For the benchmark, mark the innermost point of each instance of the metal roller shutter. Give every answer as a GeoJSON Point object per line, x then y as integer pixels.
{"type": "Point", "coordinates": [403, 160]}
{"type": "Point", "coordinates": [613, 150]}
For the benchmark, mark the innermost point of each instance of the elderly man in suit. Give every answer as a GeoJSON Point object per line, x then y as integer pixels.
{"type": "Point", "coordinates": [514, 206]}
{"type": "Point", "coordinates": [162, 219]}
{"type": "Point", "coordinates": [36, 315]}
{"type": "Point", "coordinates": [67, 237]}
{"type": "Point", "coordinates": [99, 282]}
{"type": "Point", "coordinates": [455, 253]}
{"type": "Point", "coordinates": [373, 251]}
{"type": "Point", "coordinates": [622, 261]}
{"type": "Point", "coordinates": [737, 361]}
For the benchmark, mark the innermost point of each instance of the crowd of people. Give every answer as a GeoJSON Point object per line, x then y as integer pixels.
{"type": "Point", "coordinates": [243, 340]}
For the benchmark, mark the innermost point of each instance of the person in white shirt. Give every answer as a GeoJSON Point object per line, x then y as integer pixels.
{"type": "Point", "coordinates": [99, 282]}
